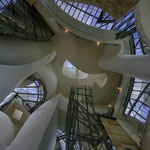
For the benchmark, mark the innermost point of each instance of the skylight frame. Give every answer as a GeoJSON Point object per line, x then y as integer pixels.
{"type": "Point", "coordinates": [31, 96]}
{"type": "Point", "coordinates": [138, 92]}
{"type": "Point", "coordinates": [88, 14]}
{"type": "Point", "coordinates": [69, 70]}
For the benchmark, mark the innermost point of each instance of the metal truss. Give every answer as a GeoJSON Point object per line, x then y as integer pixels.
{"type": "Point", "coordinates": [60, 136]}
{"type": "Point", "coordinates": [88, 14]}
{"type": "Point", "coordinates": [31, 96]}
{"type": "Point", "coordinates": [96, 17]}
{"type": "Point", "coordinates": [137, 105]}
{"type": "Point", "coordinates": [84, 130]}
{"type": "Point", "coordinates": [136, 102]}
{"type": "Point", "coordinates": [126, 27]}
{"type": "Point", "coordinates": [19, 19]}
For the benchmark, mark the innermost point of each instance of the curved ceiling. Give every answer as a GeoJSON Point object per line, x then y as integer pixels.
{"type": "Point", "coordinates": [101, 96]}
{"type": "Point", "coordinates": [81, 53]}
{"type": "Point", "coordinates": [87, 13]}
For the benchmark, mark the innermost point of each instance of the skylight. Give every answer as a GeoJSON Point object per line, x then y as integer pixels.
{"type": "Point", "coordinates": [138, 106]}
{"type": "Point", "coordinates": [70, 65]}
{"type": "Point", "coordinates": [30, 94]}
{"type": "Point", "coordinates": [88, 14]}
{"type": "Point", "coordinates": [4, 3]}
{"type": "Point", "coordinates": [72, 72]}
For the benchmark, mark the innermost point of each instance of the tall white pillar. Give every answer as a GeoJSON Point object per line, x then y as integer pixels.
{"type": "Point", "coordinates": [131, 65]}
{"type": "Point", "coordinates": [40, 130]}
{"type": "Point", "coordinates": [11, 76]}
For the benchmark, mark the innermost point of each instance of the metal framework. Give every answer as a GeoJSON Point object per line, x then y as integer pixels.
{"type": "Point", "coordinates": [19, 19]}
{"type": "Point", "coordinates": [84, 130]}
{"type": "Point", "coordinates": [127, 27]}
{"type": "Point", "coordinates": [88, 14]}
{"type": "Point", "coordinates": [31, 96]}
{"type": "Point", "coordinates": [137, 104]}
{"type": "Point", "coordinates": [96, 17]}
{"type": "Point", "coordinates": [60, 136]}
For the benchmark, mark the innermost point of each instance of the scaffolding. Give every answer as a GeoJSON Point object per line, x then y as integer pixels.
{"type": "Point", "coordinates": [84, 131]}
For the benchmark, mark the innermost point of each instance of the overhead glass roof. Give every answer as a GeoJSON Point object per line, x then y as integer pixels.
{"type": "Point", "coordinates": [138, 105]}
{"type": "Point", "coordinates": [88, 14]}
{"type": "Point", "coordinates": [5, 3]}
{"type": "Point", "coordinates": [96, 17]}
{"type": "Point", "coordinates": [30, 95]}
{"type": "Point", "coordinates": [71, 71]}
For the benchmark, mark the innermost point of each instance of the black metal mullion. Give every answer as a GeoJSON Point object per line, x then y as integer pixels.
{"type": "Point", "coordinates": [137, 99]}
{"type": "Point", "coordinates": [82, 125]}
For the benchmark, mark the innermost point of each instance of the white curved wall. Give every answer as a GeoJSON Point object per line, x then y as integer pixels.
{"type": "Point", "coordinates": [83, 54]}
{"type": "Point", "coordinates": [100, 95]}
{"type": "Point", "coordinates": [143, 20]}
{"type": "Point", "coordinates": [131, 65]}
{"type": "Point", "coordinates": [6, 129]}
{"type": "Point", "coordinates": [48, 77]}
{"type": "Point", "coordinates": [102, 80]}
{"type": "Point", "coordinates": [73, 73]}
{"type": "Point", "coordinates": [19, 52]}
{"type": "Point", "coordinates": [78, 27]}
{"type": "Point", "coordinates": [50, 10]}
{"type": "Point", "coordinates": [12, 76]}
{"type": "Point", "coordinates": [39, 131]}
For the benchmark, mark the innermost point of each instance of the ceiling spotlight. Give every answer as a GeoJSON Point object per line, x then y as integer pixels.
{"type": "Point", "coordinates": [66, 30]}
{"type": "Point", "coordinates": [109, 106]}
{"type": "Point", "coordinates": [119, 89]}
{"type": "Point", "coordinates": [98, 43]}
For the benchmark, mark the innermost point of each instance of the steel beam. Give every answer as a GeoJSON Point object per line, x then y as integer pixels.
{"type": "Point", "coordinates": [84, 131]}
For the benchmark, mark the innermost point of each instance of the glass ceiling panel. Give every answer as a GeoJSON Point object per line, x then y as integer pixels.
{"type": "Point", "coordinates": [30, 95]}
{"type": "Point", "coordinates": [96, 17]}
{"type": "Point", "coordinates": [88, 14]}
{"type": "Point", "coordinates": [137, 106]}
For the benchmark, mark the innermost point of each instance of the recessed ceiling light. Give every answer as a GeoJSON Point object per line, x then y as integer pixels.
{"type": "Point", "coordinates": [66, 30]}
{"type": "Point", "coordinates": [98, 43]}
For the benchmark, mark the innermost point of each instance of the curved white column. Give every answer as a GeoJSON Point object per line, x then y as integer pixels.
{"type": "Point", "coordinates": [39, 131]}
{"type": "Point", "coordinates": [12, 76]}
{"type": "Point", "coordinates": [15, 51]}
{"type": "Point", "coordinates": [6, 129]}
{"type": "Point", "coordinates": [46, 14]}
{"type": "Point", "coordinates": [78, 28]}
{"type": "Point", "coordinates": [83, 54]}
{"type": "Point", "coordinates": [142, 18]}
{"type": "Point", "coordinates": [131, 65]}
{"type": "Point", "coordinates": [49, 79]}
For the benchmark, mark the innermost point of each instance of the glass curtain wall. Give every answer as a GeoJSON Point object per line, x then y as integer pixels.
{"type": "Point", "coordinates": [19, 19]}
{"type": "Point", "coordinates": [31, 94]}
{"type": "Point", "coordinates": [139, 96]}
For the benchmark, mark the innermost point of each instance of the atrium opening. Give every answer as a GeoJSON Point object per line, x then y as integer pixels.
{"type": "Point", "coordinates": [74, 75]}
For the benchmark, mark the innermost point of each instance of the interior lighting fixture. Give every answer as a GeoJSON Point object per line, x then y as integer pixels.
{"type": "Point", "coordinates": [98, 43]}
{"type": "Point", "coordinates": [66, 30]}
{"type": "Point", "coordinates": [109, 105]}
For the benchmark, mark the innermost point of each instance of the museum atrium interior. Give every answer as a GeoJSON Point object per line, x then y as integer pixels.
{"type": "Point", "coordinates": [74, 74]}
